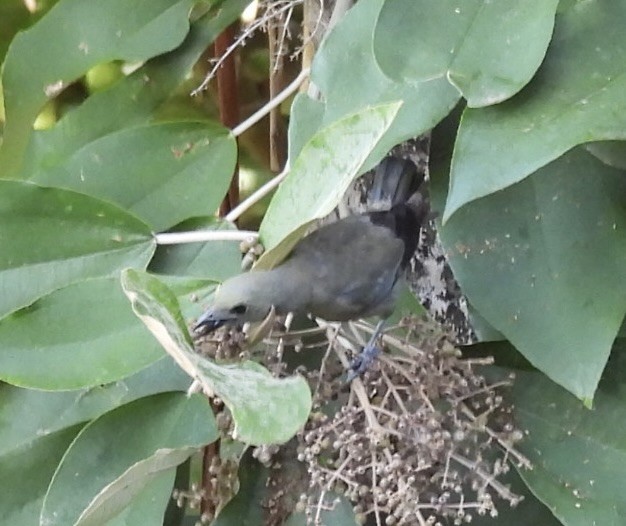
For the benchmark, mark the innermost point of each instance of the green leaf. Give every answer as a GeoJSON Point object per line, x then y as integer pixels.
{"type": "Point", "coordinates": [550, 272]}
{"type": "Point", "coordinates": [407, 304]}
{"type": "Point", "coordinates": [74, 36]}
{"type": "Point", "coordinates": [306, 117]}
{"type": "Point", "coordinates": [488, 51]}
{"type": "Point", "coordinates": [192, 294]}
{"type": "Point", "coordinates": [114, 457]}
{"type": "Point", "coordinates": [51, 238]}
{"type": "Point", "coordinates": [577, 96]}
{"type": "Point", "coordinates": [159, 182]}
{"type": "Point", "coordinates": [29, 415]}
{"type": "Point", "coordinates": [320, 176]}
{"type": "Point", "coordinates": [79, 336]}
{"type": "Point", "coordinates": [26, 472]}
{"type": "Point", "coordinates": [212, 260]}
{"type": "Point", "coordinates": [578, 455]}
{"type": "Point", "coordinates": [612, 153]}
{"type": "Point", "coordinates": [36, 427]}
{"type": "Point", "coordinates": [148, 507]}
{"type": "Point", "coordinates": [266, 410]}
{"type": "Point", "coordinates": [133, 100]}
{"type": "Point", "coordinates": [349, 86]}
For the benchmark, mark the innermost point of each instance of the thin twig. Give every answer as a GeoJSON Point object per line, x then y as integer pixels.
{"type": "Point", "coordinates": [523, 461]}
{"type": "Point", "coordinates": [409, 349]}
{"type": "Point", "coordinates": [375, 485]}
{"type": "Point", "coordinates": [256, 196]}
{"type": "Point", "coordinates": [277, 135]}
{"type": "Point", "coordinates": [394, 392]}
{"type": "Point", "coordinates": [240, 41]}
{"type": "Point", "coordinates": [485, 389]}
{"type": "Point", "coordinates": [280, 348]}
{"type": "Point", "coordinates": [359, 389]}
{"type": "Point", "coordinates": [329, 349]}
{"type": "Point", "coordinates": [262, 112]}
{"type": "Point", "coordinates": [200, 236]}
{"type": "Point", "coordinates": [297, 334]}
{"type": "Point", "coordinates": [488, 478]}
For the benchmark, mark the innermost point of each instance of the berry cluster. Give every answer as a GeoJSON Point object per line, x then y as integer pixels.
{"type": "Point", "coordinates": [421, 437]}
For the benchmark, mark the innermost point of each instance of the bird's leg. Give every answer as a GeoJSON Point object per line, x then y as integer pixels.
{"type": "Point", "coordinates": [366, 357]}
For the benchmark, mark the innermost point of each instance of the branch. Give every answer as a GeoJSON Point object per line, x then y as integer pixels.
{"type": "Point", "coordinates": [199, 236]}
{"type": "Point", "coordinates": [255, 197]}
{"type": "Point", "coordinates": [281, 7]}
{"type": "Point", "coordinates": [276, 101]}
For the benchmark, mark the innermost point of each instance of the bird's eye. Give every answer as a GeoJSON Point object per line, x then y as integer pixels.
{"type": "Point", "coordinates": [239, 309]}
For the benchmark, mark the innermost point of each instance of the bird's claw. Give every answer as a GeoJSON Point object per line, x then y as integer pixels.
{"type": "Point", "coordinates": [363, 361]}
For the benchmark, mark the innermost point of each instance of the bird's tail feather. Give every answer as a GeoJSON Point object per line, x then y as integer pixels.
{"type": "Point", "coordinates": [395, 181]}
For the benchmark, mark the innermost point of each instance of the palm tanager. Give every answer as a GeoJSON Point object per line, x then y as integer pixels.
{"type": "Point", "coordinates": [342, 271]}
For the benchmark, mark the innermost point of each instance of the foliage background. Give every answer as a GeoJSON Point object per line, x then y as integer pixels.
{"type": "Point", "coordinates": [527, 174]}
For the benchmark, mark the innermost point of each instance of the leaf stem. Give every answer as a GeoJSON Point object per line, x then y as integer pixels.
{"type": "Point", "coordinates": [256, 196]}
{"type": "Point", "coordinates": [199, 236]}
{"type": "Point", "coordinates": [273, 103]}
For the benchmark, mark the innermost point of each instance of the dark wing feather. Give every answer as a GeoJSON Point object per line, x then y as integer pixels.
{"type": "Point", "coordinates": [352, 266]}
{"type": "Point", "coordinates": [404, 221]}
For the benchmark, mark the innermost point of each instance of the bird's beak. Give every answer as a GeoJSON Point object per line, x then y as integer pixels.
{"type": "Point", "coordinates": [208, 322]}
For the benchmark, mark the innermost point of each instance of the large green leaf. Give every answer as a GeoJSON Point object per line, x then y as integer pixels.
{"type": "Point", "coordinates": [26, 473]}
{"type": "Point", "coordinates": [319, 177]}
{"type": "Point", "coordinates": [36, 427]}
{"type": "Point", "coordinates": [578, 456]}
{"type": "Point", "coordinates": [212, 260]}
{"type": "Point", "coordinates": [80, 336]}
{"type": "Point", "coordinates": [159, 181]}
{"type": "Point", "coordinates": [488, 50]}
{"type": "Point", "coordinates": [346, 72]}
{"type": "Point", "coordinates": [148, 506]}
{"type": "Point", "coordinates": [116, 456]}
{"type": "Point", "coordinates": [265, 409]}
{"type": "Point", "coordinates": [74, 36]}
{"type": "Point", "coordinates": [550, 272]}
{"type": "Point", "coordinates": [51, 238]}
{"type": "Point", "coordinates": [27, 415]}
{"type": "Point", "coordinates": [612, 153]}
{"type": "Point", "coordinates": [578, 95]}
{"type": "Point", "coordinates": [130, 102]}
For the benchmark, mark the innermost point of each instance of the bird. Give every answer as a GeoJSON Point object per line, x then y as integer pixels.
{"type": "Point", "coordinates": [345, 270]}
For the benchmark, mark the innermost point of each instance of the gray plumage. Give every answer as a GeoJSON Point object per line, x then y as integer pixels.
{"type": "Point", "coordinates": [344, 270]}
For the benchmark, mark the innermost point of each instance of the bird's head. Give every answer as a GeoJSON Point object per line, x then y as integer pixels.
{"type": "Point", "coordinates": [243, 298]}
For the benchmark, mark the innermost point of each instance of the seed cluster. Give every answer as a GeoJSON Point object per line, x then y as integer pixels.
{"type": "Point", "coordinates": [225, 344]}
{"type": "Point", "coordinates": [420, 437]}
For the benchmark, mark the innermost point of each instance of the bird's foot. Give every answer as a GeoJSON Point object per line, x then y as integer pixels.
{"type": "Point", "coordinates": [363, 361]}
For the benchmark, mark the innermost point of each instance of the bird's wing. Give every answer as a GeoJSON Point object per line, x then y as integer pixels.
{"type": "Point", "coordinates": [354, 265]}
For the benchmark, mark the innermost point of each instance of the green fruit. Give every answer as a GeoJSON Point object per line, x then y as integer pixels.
{"type": "Point", "coordinates": [103, 76]}
{"type": "Point", "coordinates": [47, 117]}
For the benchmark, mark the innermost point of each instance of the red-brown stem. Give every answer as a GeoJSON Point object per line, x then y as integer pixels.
{"type": "Point", "coordinates": [278, 132]}
{"type": "Point", "coordinates": [229, 104]}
